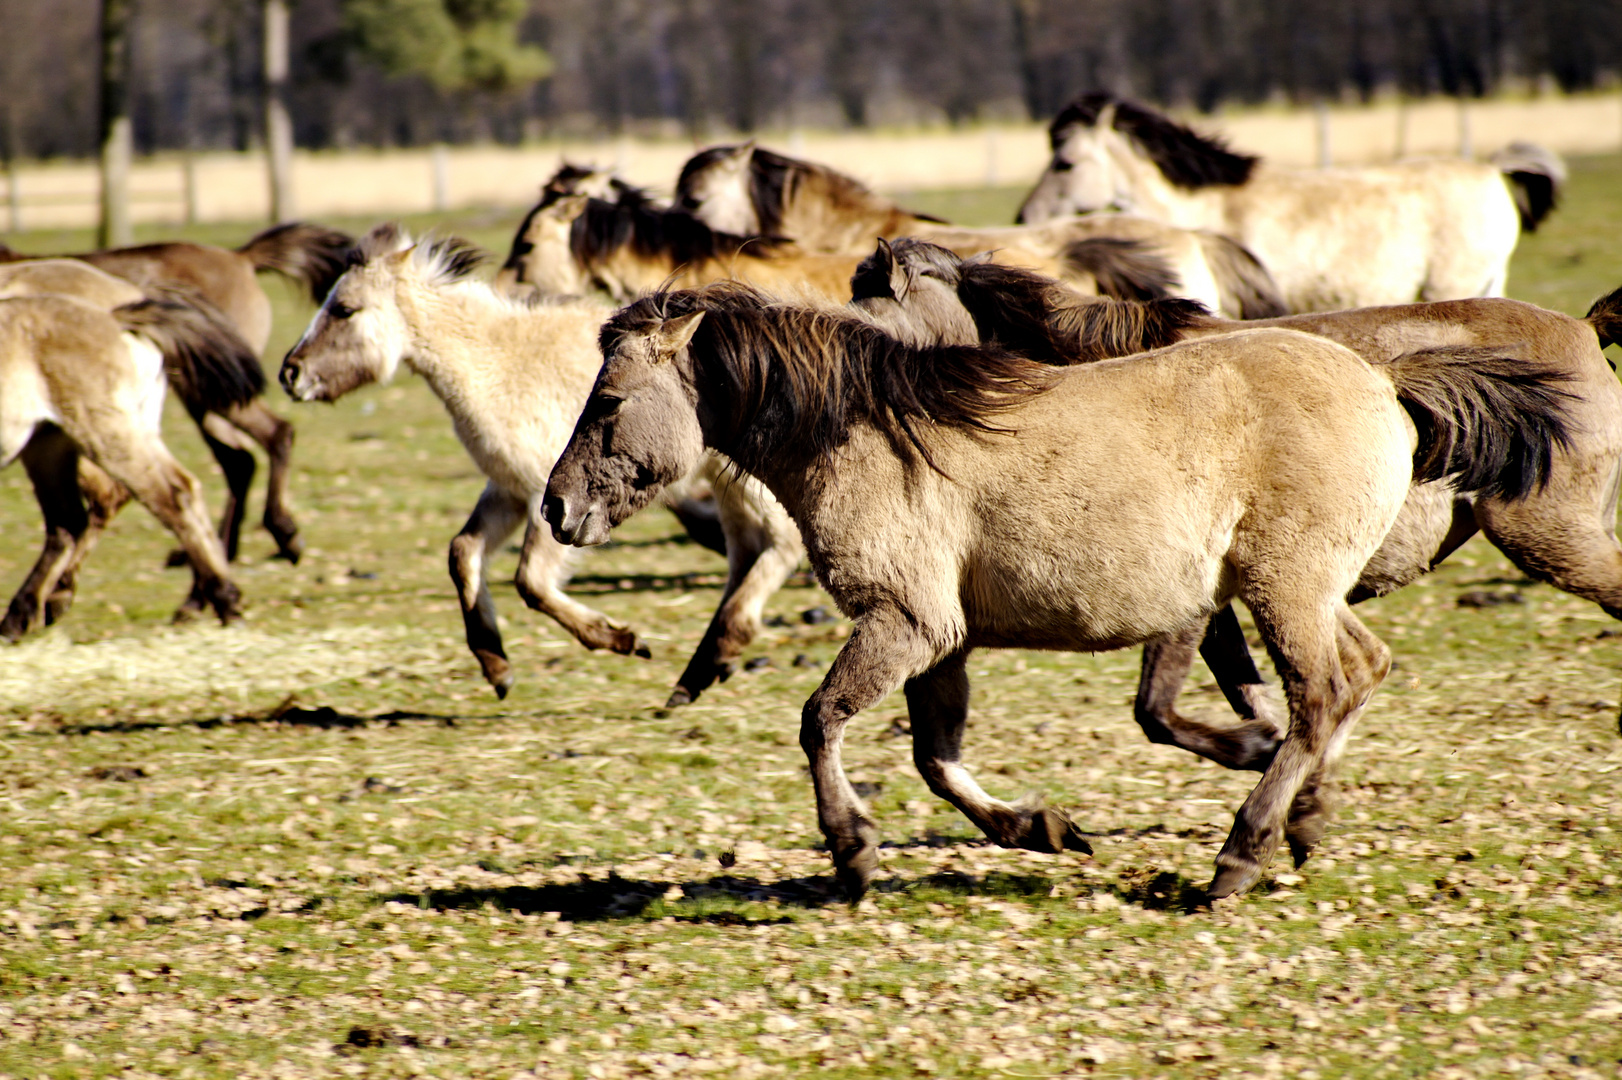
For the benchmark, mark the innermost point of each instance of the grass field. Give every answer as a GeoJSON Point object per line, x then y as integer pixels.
{"type": "Point", "coordinates": [315, 843]}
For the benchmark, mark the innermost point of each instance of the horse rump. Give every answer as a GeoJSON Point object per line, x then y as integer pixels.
{"type": "Point", "coordinates": [1486, 418]}
{"type": "Point", "coordinates": [312, 255]}
{"type": "Point", "coordinates": [209, 365]}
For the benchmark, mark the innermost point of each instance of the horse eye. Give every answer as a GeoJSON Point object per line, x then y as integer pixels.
{"type": "Point", "coordinates": [603, 406]}
{"type": "Point", "coordinates": [337, 309]}
{"type": "Point", "coordinates": [1061, 165]}
{"type": "Point", "coordinates": [689, 202]}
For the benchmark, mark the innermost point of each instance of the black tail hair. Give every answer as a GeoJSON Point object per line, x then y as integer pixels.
{"type": "Point", "coordinates": [312, 255]}
{"type": "Point", "coordinates": [1486, 418]}
{"type": "Point", "coordinates": [208, 364]}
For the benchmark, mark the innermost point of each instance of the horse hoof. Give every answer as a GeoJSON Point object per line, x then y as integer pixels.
{"type": "Point", "coordinates": [643, 651]}
{"type": "Point", "coordinates": [1052, 831]}
{"type": "Point", "coordinates": [679, 697]}
{"type": "Point", "coordinates": [1233, 881]}
{"type": "Point", "coordinates": [497, 671]}
{"type": "Point", "coordinates": [177, 557]}
{"type": "Point", "coordinates": [855, 873]}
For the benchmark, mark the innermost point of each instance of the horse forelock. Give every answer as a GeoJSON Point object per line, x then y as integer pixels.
{"type": "Point", "coordinates": [444, 260]}
{"type": "Point", "coordinates": [1184, 156]}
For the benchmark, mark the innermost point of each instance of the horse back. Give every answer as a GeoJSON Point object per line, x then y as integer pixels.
{"type": "Point", "coordinates": [225, 278]}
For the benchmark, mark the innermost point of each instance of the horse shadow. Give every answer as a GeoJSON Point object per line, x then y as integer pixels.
{"type": "Point", "coordinates": [323, 717]}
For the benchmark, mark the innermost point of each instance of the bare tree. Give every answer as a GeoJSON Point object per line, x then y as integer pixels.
{"type": "Point", "coordinates": [278, 125]}
{"type": "Point", "coordinates": [116, 141]}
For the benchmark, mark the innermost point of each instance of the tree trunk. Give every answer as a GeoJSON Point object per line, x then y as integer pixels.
{"type": "Point", "coordinates": [278, 125]}
{"type": "Point", "coordinates": [115, 230]}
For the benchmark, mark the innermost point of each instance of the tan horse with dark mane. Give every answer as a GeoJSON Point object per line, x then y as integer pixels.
{"type": "Point", "coordinates": [750, 191]}
{"type": "Point", "coordinates": [309, 255]}
{"type": "Point", "coordinates": [1332, 238]}
{"type": "Point", "coordinates": [1562, 531]}
{"type": "Point", "coordinates": [963, 497]}
{"type": "Point", "coordinates": [82, 380]}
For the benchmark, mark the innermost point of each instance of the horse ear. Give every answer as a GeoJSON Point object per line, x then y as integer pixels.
{"type": "Point", "coordinates": [894, 270]}
{"type": "Point", "coordinates": [676, 333]}
{"type": "Point", "coordinates": [1106, 117]}
{"type": "Point", "coordinates": [981, 257]}
{"type": "Point", "coordinates": [569, 207]}
{"type": "Point", "coordinates": [745, 148]}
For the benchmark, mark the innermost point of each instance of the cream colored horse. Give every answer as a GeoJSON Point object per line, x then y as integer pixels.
{"type": "Point", "coordinates": [750, 191]}
{"type": "Point", "coordinates": [514, 374]}
{"type": "Point", "coordinates": [1332, 238]}
{"type": "Point", "coordinates": [962, 497]}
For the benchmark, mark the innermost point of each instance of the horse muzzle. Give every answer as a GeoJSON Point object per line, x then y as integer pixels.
{"type": "Point", "coordinates": [583, 525]}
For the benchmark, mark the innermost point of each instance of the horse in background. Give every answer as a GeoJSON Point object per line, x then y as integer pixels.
{"type": "Point", "coordinates": [84, 379]}
{"type": "Point", "coordinates": [1332, 238]}
{"type": "Point", "coordinates": [1562, 531]}
{"type": "Point", "coordinates": [309, 255]}
{"type": "Point", "coordinates": [962, 497]}
{"type": "Point", "coordinates": [747, 190]}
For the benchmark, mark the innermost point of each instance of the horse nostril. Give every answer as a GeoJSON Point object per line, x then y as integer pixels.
{"type": "Point", "coordinates": [556, 509]}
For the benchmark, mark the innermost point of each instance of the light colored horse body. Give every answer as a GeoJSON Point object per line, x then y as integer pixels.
{"type": "Point", "coordinates": [749, 191]}
{"type": "Point", "coordinates": [1563, 531]}
{"type": "Point", "coordinates": [1332, 238]}
{"type": "Point", "coordinates": [307, 254]}
{"type": "Point", "coordinates": [84, 381]}
{"type": "Point", "coordinates": [962, 497]}
{"type": "Point", "coordinates": [514, 375]}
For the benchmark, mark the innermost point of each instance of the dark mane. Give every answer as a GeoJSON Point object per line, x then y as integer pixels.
{"type": "Point", "coordinates": [808, 375]}
{"type": "Point", "coordinates": [652, 231]}
{"type": "Point", "coordinates": [1036, 316]}
{"type": "Point", "coordinates": [1185, 157]}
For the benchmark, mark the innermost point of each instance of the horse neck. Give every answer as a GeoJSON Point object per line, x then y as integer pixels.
{"type": "Point", "coordinates": [1153, 196]}
{"type": "Point", "coordinates": [459, 338]}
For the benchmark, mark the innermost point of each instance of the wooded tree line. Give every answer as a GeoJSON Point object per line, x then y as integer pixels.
{"type": "Point", "coordinates": [407, 72]}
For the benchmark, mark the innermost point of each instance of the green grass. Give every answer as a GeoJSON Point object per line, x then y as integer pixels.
{"type": "Point", "coordinates": [316, 844]}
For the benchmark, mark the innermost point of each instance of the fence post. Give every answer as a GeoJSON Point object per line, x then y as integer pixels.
{"type": "Point", "coordinates": [1466, 144]}
{"type": "Point", "coordinates": [14, 199]}
{"type": "Point", "coordinates": [188, 185]}
{"type": "Point", "coordinates": [1321, 112]}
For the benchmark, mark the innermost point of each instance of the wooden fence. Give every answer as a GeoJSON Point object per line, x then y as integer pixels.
{"type": "Point", "coordinates": [219, 187]}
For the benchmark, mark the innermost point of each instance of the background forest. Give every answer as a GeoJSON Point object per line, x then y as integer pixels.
{"type": "Point", "coordinates": [409, 72]}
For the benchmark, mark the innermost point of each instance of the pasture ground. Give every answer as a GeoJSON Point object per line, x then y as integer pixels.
{"type": "Point", "coordinates": [315, 843]}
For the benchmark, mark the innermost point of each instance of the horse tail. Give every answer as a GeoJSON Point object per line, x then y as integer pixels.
{"type": "Point", "coordinates": [1485, 417]}
{"type": "Point", "coordinates": [1606, 318]}
{"type": "Point", "coordinates": [312, 255]}
{"type": "Point", "coordinates": [1245, 286]}
{"type": "Point", "coordinates": [209, 365]}
{"type": "Point", "coordinates": [1122, 269]}
{"type": "Point", "coordinates": [1535, 177]}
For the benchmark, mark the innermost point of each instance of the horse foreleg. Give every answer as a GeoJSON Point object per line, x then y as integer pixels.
{"type": "Point", "coordinates": [275, 435]}
{"type": "Point", "coordinates": [495, 517]}
{"type": "Point", "coordinates": [1166, 664]}
{"type": "Point", "coordinates": [883, 650]}
{"type": "Point", "coordinates": [542, 568]}
{"type": "Point", "coordinates": [51, 459]}
{"type": "Point", "coordinates": [763, 548]}
{"type": "Point", "coordinates": [938, 707]}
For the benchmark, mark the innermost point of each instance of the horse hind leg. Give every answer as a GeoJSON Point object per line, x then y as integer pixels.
{"type": "Point", "coordinates": [495, 516]}
{"type": "Point", "coordinates": [238, 466]}
{"type": "Point", "coordinates": [938, 707]}
{"type": "Point", "coordinates": [1166, 663]}
{"type": "Point", "coordinates": [275, 435]}
{"type": "Point", "coordinates": [51, 460]}
{"type": "Point", "coordinates": [762, 548]}
{"type": "Point", "coordinates": [104, 497]}
{"type": "Point", "coordinates": [1305, 651]}
{"type": "Point", "coordinates": [1365, 660]}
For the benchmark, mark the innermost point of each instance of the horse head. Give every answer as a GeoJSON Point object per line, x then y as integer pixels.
{"type": "Point", "coordinates": [639, 430]}
{"type": "Point", "coordinates": [909, 289]}
{"type": "Point", "coordinates": [359, 335]}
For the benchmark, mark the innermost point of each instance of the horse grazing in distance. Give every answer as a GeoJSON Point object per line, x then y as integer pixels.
{"type": "Point", "coordinates": [749, 191]}
{"type": "Point", "coordinates": [1561, 531]}
{"type": "Point", "coordinates": [84, 385]}
{"type": "Point", "coordinates": [514, 374]}
{"type": "Point", "coordinates": [1332, 238]}
{"type": "Point", "coordinates": [310, 255]}
{"type": "Point", "coordinates": [961, 497]}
